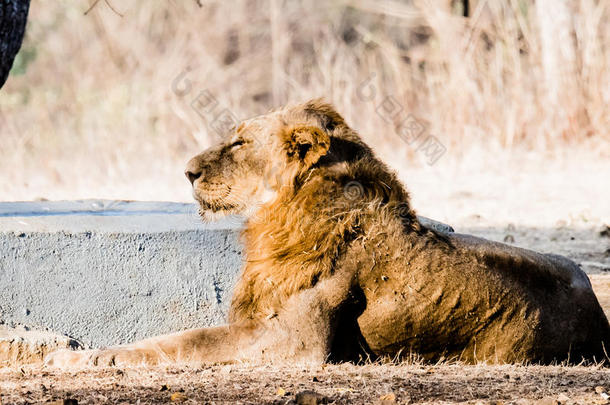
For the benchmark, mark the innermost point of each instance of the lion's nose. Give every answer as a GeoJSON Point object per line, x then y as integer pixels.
{"type": "Point", "coordinates": [193, 170]}
{"type": "Point", "coordinates": [192, 175]}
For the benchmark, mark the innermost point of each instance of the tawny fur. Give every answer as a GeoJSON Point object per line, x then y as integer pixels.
{"type": "Point", "coordinates": [338, 267]}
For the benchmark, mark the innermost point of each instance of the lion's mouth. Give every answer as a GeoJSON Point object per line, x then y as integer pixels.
{"type": "Point", "coordinates": [214, 199]}
{"type": "Point", "coordinates": [214, 206]}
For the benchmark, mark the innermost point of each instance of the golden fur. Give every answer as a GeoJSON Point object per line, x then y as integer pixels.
{"type": "Point", "coordinates": [337, 266]}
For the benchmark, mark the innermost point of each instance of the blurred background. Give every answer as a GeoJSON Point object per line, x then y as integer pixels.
{"type": "Point", "coordinates": [491, 111]}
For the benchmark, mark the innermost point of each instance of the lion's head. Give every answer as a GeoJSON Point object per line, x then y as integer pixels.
{"type": "Point", "coordinates": [263, 155]}
{"type": "Point", "coordinates": [308, 185]}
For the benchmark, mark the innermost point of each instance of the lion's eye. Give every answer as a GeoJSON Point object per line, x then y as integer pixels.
{"type": "Point", "coordinates": [236, 144]}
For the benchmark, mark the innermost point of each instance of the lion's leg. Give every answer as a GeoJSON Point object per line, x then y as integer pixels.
{"type": "Point", "coordinates": [194, 346]}
{"type": "Point", "coordinates": [302, 330]}
{"type": "Point", "coordinates": [288, 336]}
{"type": "Point", "coordinates": [306, 327]}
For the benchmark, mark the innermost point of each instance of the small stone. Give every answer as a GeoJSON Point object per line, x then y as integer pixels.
{"type": "Point", "coordinates": [547, 401]}
{"type": "Point", "coordinates": [310, 398]}
{"type": "Point", "coordinates": [387, 399]}
{"type": "Point", "coordinates": [601, 401]}
{"type": "Point", "coordinates": [563, 398]}
{"type": "Point", "coordinates": [66, 401]}
{"type": "Point", "coordinates": [599, 389]}
{"type": "Point", "coordinates": [178, 397]}
{"type": "Point", "coordinates": [280, 392]}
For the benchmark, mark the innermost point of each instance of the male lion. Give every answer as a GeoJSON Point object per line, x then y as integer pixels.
{"type": "Point", "coordinates": [338, 267]}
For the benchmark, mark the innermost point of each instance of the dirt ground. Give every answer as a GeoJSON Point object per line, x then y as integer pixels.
{"type": "Point", "coordinates": [331, 384]}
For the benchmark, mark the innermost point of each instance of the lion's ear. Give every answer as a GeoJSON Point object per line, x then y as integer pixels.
{"type": "Point", "coordinates": [307, 144]}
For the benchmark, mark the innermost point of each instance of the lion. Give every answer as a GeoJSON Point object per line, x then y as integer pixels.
{"type": "Point", "coordinates": [339, 268]}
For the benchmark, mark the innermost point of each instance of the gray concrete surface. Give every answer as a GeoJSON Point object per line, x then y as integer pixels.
{"type": "Point", "coordinates": [110, 272]}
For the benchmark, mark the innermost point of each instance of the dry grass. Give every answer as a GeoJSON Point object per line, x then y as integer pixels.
{"type": "Point", "coordinates": [94, 108]}
{"type": "Point", "coordinates": [337, 383]}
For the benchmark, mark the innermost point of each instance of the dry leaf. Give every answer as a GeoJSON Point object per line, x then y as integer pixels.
{"type": "Point", "coordinates": [387, 399]}
{"type": "Point", "coordinates": [178, 397]}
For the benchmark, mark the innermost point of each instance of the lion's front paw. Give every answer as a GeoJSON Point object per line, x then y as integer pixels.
{"type": "Point", "coordinates": [124, 356]}
{"type": "Point", "coordinates": [118, 356]}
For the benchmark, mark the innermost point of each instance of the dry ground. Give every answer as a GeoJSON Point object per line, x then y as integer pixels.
{"type": "Point", "coordinates": [336, 383]}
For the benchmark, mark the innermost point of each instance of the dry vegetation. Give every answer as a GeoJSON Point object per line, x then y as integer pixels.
{"type": "Point", "coordinates": [93, 107]}
{"type": "Point", "coordinates": [339, 384]}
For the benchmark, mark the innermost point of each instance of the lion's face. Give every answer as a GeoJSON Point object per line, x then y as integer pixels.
{"type": "Point", "coordinates": [260, 157]}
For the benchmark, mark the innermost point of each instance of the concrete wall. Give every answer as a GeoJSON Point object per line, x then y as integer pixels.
{"type": "Point", "coordinates": [110, 272]}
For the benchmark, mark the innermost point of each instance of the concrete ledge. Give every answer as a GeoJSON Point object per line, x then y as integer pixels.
{"type": "Point", "coordinates": [110, 272]}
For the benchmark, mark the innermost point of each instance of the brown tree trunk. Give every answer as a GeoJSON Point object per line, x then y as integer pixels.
{"type": "Point", "coordinates": [13, 16]}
